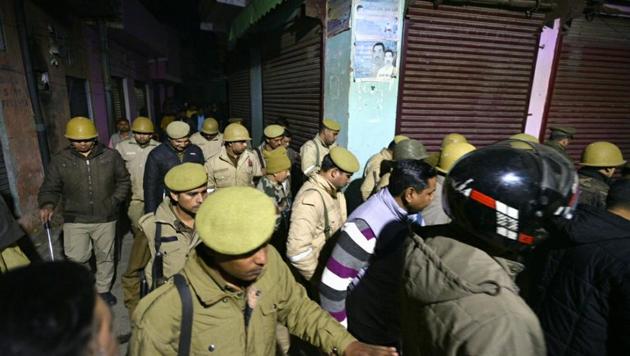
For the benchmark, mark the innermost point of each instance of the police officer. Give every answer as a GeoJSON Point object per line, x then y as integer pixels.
{"type": "Point", "coordinates": [560, 138]}
{"type": "Point", "coordinates": [177, 149]}
{"type": "Point", "coordinates": [209, 139]}
{"type": "Point", "coordinates": [234, 165]}
{"type": "Point", "coordinates": [599, 161]}
{"type": "Point", "coordinates": [372, 171]}
{"type": "Point", "coordinates": [313, 151]}
{"type": "Point", "coordinates": [454, 137]}
{"type": "Point", "coordinates": [319, 211]}
{"type": "Point", "coordinates": [274, 138]}
{"type": "Point", "coordinates": [238, 289]}
{"type": "Point", "coordinates": [170, 230]}
{"type": "Point", "coordinates": [460, 297]}
{"type": "Point", "coordinates": [91, 180]}
{"type": "Point", "coordinates": [135, 153]}
{"type": "Point", "coordinates": [434, 213]}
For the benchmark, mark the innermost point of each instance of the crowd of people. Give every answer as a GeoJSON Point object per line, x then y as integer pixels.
{"type": "Point", "coordinates": [505, 249]}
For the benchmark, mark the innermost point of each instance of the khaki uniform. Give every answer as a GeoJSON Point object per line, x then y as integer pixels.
{"type": "Point", "coordinates": [458, 300]}
{"type": "Point", "coordinates": [593, 191]}
{"type": "Point", "coordinates": [12, 257]}
{"type": "Point", "coordinates": [307, 234]}
{"type": "Point", "coordinates": [434, 213]}
{"type": "Point", "coordinates": [218, 322]}
{"type": "Point", "coordinates": [222, 172]}
{"type": "Point", "coordinates": [372, 172]}
{"type": "Point", "coordinates": [177, 240]}
{"type": "Point", "coordinates": [135, 156]}
{"type": "Point", "coordinates": [208, 147]}
{"type": "Point", "coordinates": [312, 153]}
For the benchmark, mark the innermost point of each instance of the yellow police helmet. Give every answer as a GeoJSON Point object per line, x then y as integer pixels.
{"type": "Point", "coordinates": [410, 149]}
{"type": "Point", "coordinates": [525, 137]}
{"type": "Point", "coordinates": [142, 125]}
{"type": "Point", "coordinates": [344, 159]}
{"type": "Point", "coordinates": [177, 129]}
{"type": "Point", "coordinates": [451, 153]}
{"type": "Point", "coordinates": [80, 128]}
{"type": "Point", "coordinates": [210, 126]}
{"type": "Point", "coordinates": [186, 176]}
{"type": "Point", "coordinates": [235, 120]}
{"type": "Point", "coordinates": [331, 124]}
{"type": "Point", "coordinates": [400, 138]}
{"type": "Point", "coordinates": [273, 131]}
{"type": "Point", "coordinates": [235, 132]}
{"type": "Point", "coordinates": [236, 220]}
{"type": "Point", "coordinates": [453, 138]}
{"type": "Point", "coordinates": [602, 154]}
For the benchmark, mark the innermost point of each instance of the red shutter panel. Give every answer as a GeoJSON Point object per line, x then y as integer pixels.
{"type": "Point", "coordinates": [466, 70]}
{"type": "Point", "coordinates": [592, 83]}
{"type": "Point", "coordinates": [291, 80]}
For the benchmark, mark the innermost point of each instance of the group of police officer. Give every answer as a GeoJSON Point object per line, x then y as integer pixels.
{"type": "Point", "coordinates": [206, 241]}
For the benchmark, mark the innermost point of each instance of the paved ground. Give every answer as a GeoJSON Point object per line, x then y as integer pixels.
{"type": "Point", "coordinates": [121, 316]}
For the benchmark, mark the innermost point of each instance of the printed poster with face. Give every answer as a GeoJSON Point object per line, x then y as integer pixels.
{"type": "Point", "coordinates": [376, 24]}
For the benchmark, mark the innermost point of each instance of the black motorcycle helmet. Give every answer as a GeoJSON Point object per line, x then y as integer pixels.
{"type": "Point", "coordinates": [505, 194]}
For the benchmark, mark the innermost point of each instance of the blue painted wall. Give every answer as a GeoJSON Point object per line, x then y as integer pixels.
{"type": "Point", "coordinates": [337, 82]}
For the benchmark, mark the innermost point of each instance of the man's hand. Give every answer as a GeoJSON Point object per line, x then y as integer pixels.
{"type": "Point", "coordinates": [360, 349]}
{"type": "Point", "coordinates": [46, 213]}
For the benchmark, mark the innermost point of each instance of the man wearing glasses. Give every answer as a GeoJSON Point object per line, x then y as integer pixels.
{"type": "Point", "coordinates": [92, 182]}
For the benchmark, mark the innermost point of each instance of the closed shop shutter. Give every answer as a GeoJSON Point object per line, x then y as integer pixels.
{"type": "Point", "coordinates": [77, 96]}
{"type": "Point", "coordinates": [591, 91]}
{"type": "Point", "coordinates": [291, 79]}
{"type": "Point", "coordinates": [239, 87]}
{"type": "Point", "coordinates": [118, 98]}
{"type": "Point", "coordinates": [467, 70]}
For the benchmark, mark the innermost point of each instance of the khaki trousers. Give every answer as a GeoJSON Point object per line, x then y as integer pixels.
{"type": "Point", "coordinates": [79, 241]}
{"type": "Point", "coordinates": [138, 258]}
{"type": "Point", "coordinates": [12, 257]}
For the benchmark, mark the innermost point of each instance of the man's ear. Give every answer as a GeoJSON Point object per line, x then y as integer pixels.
{"type": "Point", "coordinates": [174, 196]}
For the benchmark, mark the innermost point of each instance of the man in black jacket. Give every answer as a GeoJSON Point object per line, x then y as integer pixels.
{"type": "Point", "coordinates": [177, 149]}
{"type": "Point", "coordinates": [91, 180]}
{"type": "Point", "coordinates": [581, 284]}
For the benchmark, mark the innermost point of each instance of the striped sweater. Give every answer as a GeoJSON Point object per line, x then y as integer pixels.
{"type": "Point", "coordinates": [379, 216]}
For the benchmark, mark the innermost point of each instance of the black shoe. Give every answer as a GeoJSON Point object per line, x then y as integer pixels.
{"type": "Point", "coordinates": [109, 298]}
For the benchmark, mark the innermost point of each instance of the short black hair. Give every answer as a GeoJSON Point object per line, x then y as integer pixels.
{"type": "Point", "coordinates": [410, 173]}
{"type": "Point", "coordinates": [327, 164]}
{"type": "Point", "coordinates": [391, 145]}
{"type": "Point", "coordinates": [619, 195]}
{"type": "Point", "coordinates": [379, 44]}
{"type": "Point", "coordinates": [47, 309]}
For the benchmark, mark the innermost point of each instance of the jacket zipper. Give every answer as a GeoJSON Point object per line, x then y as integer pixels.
{"type": "Point", "coordinates": [90, 192]}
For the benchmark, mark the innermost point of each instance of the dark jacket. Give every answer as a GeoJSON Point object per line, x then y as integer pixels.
{"type": "Point", "coordinates": [91, 187]}
{"type": "Point", "coordinates": [10, 231]}
{"type": "Point", "coordinates": [593, 187]}
{"type": "Point", "coordinates": [581, 289]}
{"type": "Point", "coordinates": [160, 160]}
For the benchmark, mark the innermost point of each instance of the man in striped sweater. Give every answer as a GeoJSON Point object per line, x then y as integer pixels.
{"type": "Point", "coordinates": [360, 283]}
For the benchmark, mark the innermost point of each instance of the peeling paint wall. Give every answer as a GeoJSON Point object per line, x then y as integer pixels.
{"type": "Point", "coordinates": [337, 82]}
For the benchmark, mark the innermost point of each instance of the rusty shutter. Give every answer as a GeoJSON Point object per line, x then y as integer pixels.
{"type": "Point", "coordinates": [5, 190]}
{"type": "Point", "coordinates": [291, 79]}
{"type": "Point", "coordinates": [468, 70]}
{"type": "Point", "coordinates": [239, 87]}
{"type": "Point", "coordinates": [591, 91]}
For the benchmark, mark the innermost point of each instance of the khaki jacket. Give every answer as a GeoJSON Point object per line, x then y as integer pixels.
{"type": "Point", "coordinates": [218, 321]}
{"type": "Point", "coordinates": [222, 173]}
{"type": "Point", "coordinates": [306, 233]}
{"type": "Point", "coordinates": [177, 240]}
{"type": "Point", "coordinates": [208, 147]}
{"type": "Point", "coordinates": [312, 153]}
{"type": "Point", "coordinates": [135, 156]}
{"type": "Point", "coordinates": [434, 213]}
{"type": "Point", "coordinates": [372, 172]}
{"type": "Point", "coordinates": [457, 300]}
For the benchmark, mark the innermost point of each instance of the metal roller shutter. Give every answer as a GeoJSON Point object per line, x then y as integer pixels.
{"type": "Point", "coordinates": [239, 88]}
{"type": "Point", "coordinates": [468, 70]}
{"type": "Point", "coordinates": [5, 190]}
{"type": "Point", "coordinates": [591, 91]}
{"type": "Point", "coordinates": [291, 78]}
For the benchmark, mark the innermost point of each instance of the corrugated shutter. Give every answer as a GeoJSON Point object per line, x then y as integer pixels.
{"type": "Point", "coordinates": [118, 98]}
{"type": "Point", "coordinates": [467, 70]}
{"type": "Point", "coordinates": [239, 86]}
{"type": "Point", "coordinates": [591, 91]}
{"type": "Point", "coordinates": [291, 78]}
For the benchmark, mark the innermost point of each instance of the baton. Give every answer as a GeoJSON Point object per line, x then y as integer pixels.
{"type": "Point", "coordinates": [50, 246]}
